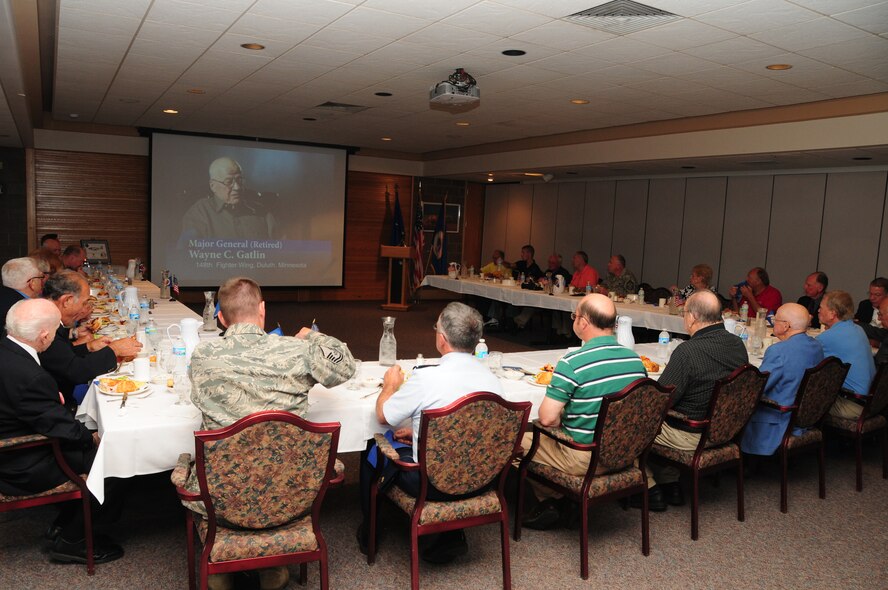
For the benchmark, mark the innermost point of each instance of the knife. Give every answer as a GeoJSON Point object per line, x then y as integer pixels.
{"type": "Point", "coordinates": [123, 401]}
{"type": "Point", "coordinates": [520, 370]}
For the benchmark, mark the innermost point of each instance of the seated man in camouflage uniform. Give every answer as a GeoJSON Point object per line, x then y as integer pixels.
{"type": "Point", "coordinates": [247, 371]}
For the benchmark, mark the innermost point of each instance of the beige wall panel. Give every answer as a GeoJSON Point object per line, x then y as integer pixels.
{"type": "Point", "coordinates": [745, 237]}
{"type": "Point", "coordinates": [882, 266]}
{"type": "Point", "coordinates": [701, 234]}
{"type": "Point", "coordinates": [794, 235]}
{"type": "Point", "coordinates": [598, 221]}
{"type": "Point", "coordinates": [630, 214]}
{"type": "Point", "coordinates": [569, 220]}
{"type": "Point", "coordinates": [852, 225]}
{"type": "Point", "coordinates": [496, 211]}
{"type": "Point", "coordinates": [518, 221]}
{"type": "Point", "coordinates": [542, 224]}
{"type": "Point", "coordinates": [662, 242]}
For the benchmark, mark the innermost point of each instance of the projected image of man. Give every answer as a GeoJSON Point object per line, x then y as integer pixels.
{"type": "Point", "coordinates": [229, 211]}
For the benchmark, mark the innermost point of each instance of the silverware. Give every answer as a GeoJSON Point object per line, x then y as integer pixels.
{"type": "Point", "coordinates": [123, 401]}
{"type": "Point", "coordinates": [374, 392]}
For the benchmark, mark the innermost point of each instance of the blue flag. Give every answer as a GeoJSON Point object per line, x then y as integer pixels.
{"type": "Point", "coordinates": [439, 242]}
{"type": "Point", "coordinates": [398, 233]}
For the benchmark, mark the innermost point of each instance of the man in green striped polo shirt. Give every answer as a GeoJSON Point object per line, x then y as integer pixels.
{"type": "Point", "coordinates": [582, 378]}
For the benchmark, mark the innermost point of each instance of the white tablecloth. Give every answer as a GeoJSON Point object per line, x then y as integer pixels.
{"type": "Point", "coordinates": [643, 315]}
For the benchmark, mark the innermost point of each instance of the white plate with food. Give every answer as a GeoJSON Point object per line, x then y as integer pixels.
{"type": "Point", "coordinates": [121, 384]}
{"type": "Point", "coordinates": [532, 380]}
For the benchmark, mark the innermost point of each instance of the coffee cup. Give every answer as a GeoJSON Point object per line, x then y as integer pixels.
{"type": "Point", "coordinates": [142, 367]}
{"type": "Point", "coordinates": [661, 302]}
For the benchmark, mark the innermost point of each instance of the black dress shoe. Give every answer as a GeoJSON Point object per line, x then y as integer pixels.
{"type": "Point", "coordinates": [361, 536]}
{"type": "Point", "coordinates": [447, 547]}
{"type": "Point", "coordinates": [104, 550]}
{"type": "Point", "coordinates": [52, 532]}
{"type": "Point", "coordinates": [543, 517]}
{"type": "Point", "coordinates": [656, 501]}
{"type": "Point", "coordinates": [673, 493]}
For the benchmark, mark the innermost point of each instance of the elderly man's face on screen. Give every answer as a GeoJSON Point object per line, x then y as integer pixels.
{"type": "Point", "coordinates": [226, 180]}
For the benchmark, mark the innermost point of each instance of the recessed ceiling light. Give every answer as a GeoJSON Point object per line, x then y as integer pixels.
{"type": "Point", "coordinates": [462, 123]}
{"type": "Point", "coordinates": [514, 52]}
{"type": "Point", "coordinates": [862, 158]}
{"type": "Point", "coordinates": [533, 174]}
{"type": "Point", "coordinates": [490, 179]}
{"type": "Point", "coordinates": [171, 111]}
{"type": "Point", "coordinates": [196, 91]}
{"type": "Point", "coordinates": [779, 67]}
{"type": "Point", "coordinates": [309, 118]}
{"type": "Point", "coordinates": [579, 101]}
{"type": "Point", "coordinates": [385, 138]}
{"type": "Point", "coordinates": [21, 94]}
{"type": "Point", "coordinates": [253, 46]}
{"type": "Point", "coordinates": [688, 167]}
{"type": "Point", "coordinates": [382, 93]}
{"type": "Point", "coordinates": [74, 115]}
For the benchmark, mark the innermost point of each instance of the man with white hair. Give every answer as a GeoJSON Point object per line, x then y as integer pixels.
{"type": "Point", "coordinates": [30, 404]}
{"type": "Point", "coordinates": [787, 361]}
{"type": "Point", "coordinates": [22, 279]}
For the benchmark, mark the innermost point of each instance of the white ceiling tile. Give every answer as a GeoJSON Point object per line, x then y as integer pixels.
{"type": "Point", "coordinates": [382, 24]}
{"type": "Point", "coordinates": [274, 29]}
{"type": "Point", "coordinates": [681, 34]}
{"type": "Point", "coordinates": [558, 9]}
{"type": "Point", "coordinates": [496, 48]}
{"type": "Point", "coordinates": [619, 75]}
{"type": "Point", "coordinates": [830, 7]}
{"type": "Point", "coordinates": [517, 77]}
{"type": "Point", "coordinates": [310, 12]}
{"type": "Point", "coordinates": [863, 86]}
{"type": "Point", "coordinates": [489, 17]}
{"type": "Point", "coordinates": [133, 8]}
{"type": "Point", "coordinates": [449, 38]}
{"type": "Point", "coordinates": [690, 8]}
{"type": "Point", "coordinates": [93, 22]}
{"type": "Point", "coordinates": [349, 41]}
{"type": "Point", "coordinates": [231, 43]}
{"type": "Point", "coordinates": [623, 50]}
{"type": "Point", "coordinates": [572, 63]}
{"type": "Point", "coordinates": [871, 18]}
{"type": "Point", "coordinates": [864, 56]}
{"type": "Point", "coordinates": [563, 35]}
{"type": "Point", "coordinates": [173, 51]}
{"type": "Point", "coordinates": [757, 15]}
{"type": "Point", "coordinates": [180, 34]}
{"type": "Point", "coordinates": [318, 56]}
{"type": "Point", "coordinates": [674, 64]}
{"type": "Point", "coordinates": [414, 53]}
{"type": "Point", "coordinates": [176, 12]}
{"type": "Point", "coordinates": [821, 31]}
{"type": "Point", "coordinates": [425, 10]}
{"type": "Point", "coordinates": [735, 50]}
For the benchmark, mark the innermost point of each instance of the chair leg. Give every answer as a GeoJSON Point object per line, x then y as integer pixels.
{"type": "Point", "coordinates": [645, 524]}
{"type": "Point", "coordinates": [303, 573]}
{"type": "Point", "coordinates": [414, 559]}
{"type": "Point", "coordinates": [371, 534]}
{"type": "Point", "coordinates": [784, 479]}
{"type": "Point", "coordinates": [695, 505]}
{"type": "Point", "coordinates": [507, 560]}
{"type": "Point", "coordinates": [88, 531]}
{"type": "Point", "coordinates": [519, 509]}
{"type": "Point", "coordinates": [883, 435]}
{"type": "Point", "coordinates": [821, 465]}
{"type": "Point", "coordinates": [189, 550]}
{"type": "Point", "coordinates": [325, 580]}
{"type": "Point", "coordinates": [858, 448]}
{"type": "Point", "coordinates": [584, 539]}
{"type": "Point", "coordinates": [741, 506]}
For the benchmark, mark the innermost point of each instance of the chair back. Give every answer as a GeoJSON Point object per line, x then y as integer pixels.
{"type": "Point", "coordinates": [734, 399]}
{"type": "Point", "coordinates": [628, 422]}
{"type": "Point", "coordinates": [878, 393]}
{"type": "Point", "coordinates": [818, 391]}
{"type": "Point", "coordinates": [465, 445]}
{"type": "Point", "coordinates": [265, 470]}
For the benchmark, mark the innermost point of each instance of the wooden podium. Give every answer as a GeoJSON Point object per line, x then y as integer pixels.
{"type": "Point", "coordinates": [396, 301]}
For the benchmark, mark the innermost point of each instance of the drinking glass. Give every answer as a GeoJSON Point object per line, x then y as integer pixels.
{"type": "Point", "coordinates": [182, 387]}
{"type": "Point", "coordinates": [495, 362]}
{"type": "Point", "coordinates": [354, 382]}
{"type": "Point", "coordinates": [166, 356]}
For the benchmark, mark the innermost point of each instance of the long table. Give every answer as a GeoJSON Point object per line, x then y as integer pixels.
{"type": "Point", "coordinates": [643, 315]}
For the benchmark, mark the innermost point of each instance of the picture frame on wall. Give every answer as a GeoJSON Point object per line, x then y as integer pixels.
{"type": "Point", "coordinates": [430, 212]}
{"type": "Point", "coordinates": [97, 251]}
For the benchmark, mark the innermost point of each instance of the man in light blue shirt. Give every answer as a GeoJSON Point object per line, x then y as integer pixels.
{"type": "Point", "coordinates": [847, 341]}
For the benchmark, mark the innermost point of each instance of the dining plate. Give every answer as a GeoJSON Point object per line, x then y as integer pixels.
{"type": "Point", "coordinates": [106, 388]}
{"type": "Point", "coordinates": [532, 381]}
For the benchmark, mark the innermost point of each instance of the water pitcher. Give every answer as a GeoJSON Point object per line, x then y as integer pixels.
{"type": "Point", "coordinates": [209, 312]}
{"type": "Point", "coordinates": [388, 346]}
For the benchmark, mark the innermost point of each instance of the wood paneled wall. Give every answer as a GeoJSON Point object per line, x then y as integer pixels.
{"type": "Point", "coordinates": [82, 195]}
{"type": "Point", "coordinates": [791, 224]}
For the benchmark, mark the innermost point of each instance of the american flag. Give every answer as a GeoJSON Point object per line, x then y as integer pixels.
{"type": "Point", "coordinates": [418, 246]}
{"type": "Point", "coordinates": [175, 285]}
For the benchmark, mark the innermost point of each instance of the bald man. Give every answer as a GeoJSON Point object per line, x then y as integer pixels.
{"type": "Point", "coordinates": [710, 354]}
{"type": "Point", "coordinates": [581, 379]}
{"type": "Point", "coordinates": [229, 211]}
{"type": "Point", "coordinates": [30, 404]}
{"type": "Point", "coordinates": [787, 361]}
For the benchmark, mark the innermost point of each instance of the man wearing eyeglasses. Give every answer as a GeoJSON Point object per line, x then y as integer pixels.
{"type": "Point", "coordinates": [787, 361]}
{"type": "Point", "coordinates": [21, 280]}
{"type": "Point", "coordinates": [229, 211]}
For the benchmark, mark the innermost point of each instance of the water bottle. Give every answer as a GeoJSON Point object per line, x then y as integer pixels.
{"type": "Point", "coordinates": [588, 287]}
{"type": "Point", "coordinates": [181, 365]}
{"type": "Point", "coordinates": [151, 333]}
{"type": "Point", "coordinates": [143, 309]}
{"type": "Point", "coordinates": [481, 351]}
{"type": "Point", "coordinates": [134, 316]}
{"type": "Point", "coordinates": [744, 313]}
{"type": "Point", "coordinates": [744, 335]}
{"type": "Point", "coordinates": [641, 295]}
{"type": "Point", "coordinates": [521, 279]}
{"type": "Point", "coordinates": [663, 345]}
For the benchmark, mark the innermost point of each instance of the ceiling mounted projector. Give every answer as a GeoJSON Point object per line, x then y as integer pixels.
{"type": "Point", "coordinates": [459, 89]}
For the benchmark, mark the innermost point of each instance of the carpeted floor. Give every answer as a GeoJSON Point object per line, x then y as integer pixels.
{"type": "Point", "coordinates": [839, 542]}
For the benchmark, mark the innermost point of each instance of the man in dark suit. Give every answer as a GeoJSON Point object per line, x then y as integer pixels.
{"type": "Point", "coordinates": [22, 279]}
{"type": "Point", "coordinates": [72, 365]}
{"type": "Point", "coordinates": [815, 287]}
{"type": "Point", "coordinates": [30, 403]}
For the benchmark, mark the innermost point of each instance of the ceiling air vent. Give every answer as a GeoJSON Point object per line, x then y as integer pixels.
{"type": "Point", "coordinates": [621, 17]}
{"type": "Point", "coordinates": [341, 108]}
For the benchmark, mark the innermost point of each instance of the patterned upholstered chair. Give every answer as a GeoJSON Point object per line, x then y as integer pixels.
{"type": "Point", "coordinates": [817, 392]}
{"type": "Point", "coordinates": [464, 449]}
{"type": "Point", "coordinates": [261, 484]}
{"type": "Point", "coordinates": [74, 489]}
{"type": "Point", "coordinates": [871, 421]}
{"type": "Point", "coordinates": [733, 401]}
{"type": "Point", "coordinates": [628, 421]}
